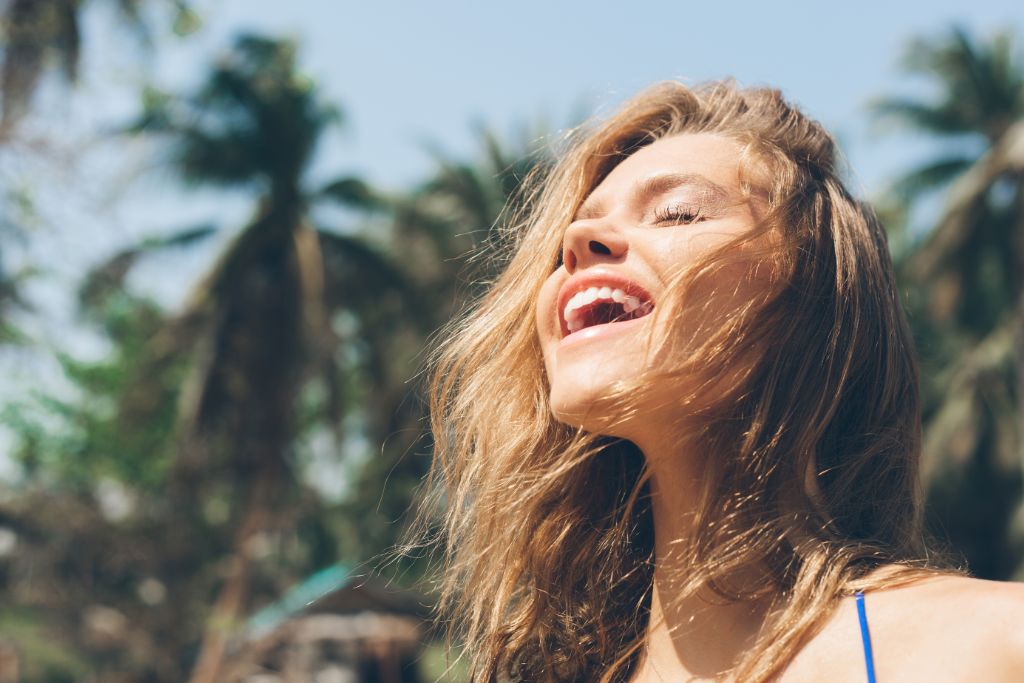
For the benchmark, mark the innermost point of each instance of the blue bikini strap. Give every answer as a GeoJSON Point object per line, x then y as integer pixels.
{"type": "Point", "coordinates": [865, 636]}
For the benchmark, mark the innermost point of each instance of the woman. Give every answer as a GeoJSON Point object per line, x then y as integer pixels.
{"type": "Point", "coordinates": [679, 437]}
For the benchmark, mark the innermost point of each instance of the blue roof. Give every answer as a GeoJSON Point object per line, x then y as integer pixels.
{"type": "Point", "coordinates": [298, 598]}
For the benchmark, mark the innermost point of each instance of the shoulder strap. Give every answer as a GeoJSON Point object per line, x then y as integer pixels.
{"type": "Point", "coordinates": [865, 636]}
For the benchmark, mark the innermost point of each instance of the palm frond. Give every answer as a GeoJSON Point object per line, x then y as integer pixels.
{"type": "Point", "coordinates": [27, 28]}
{"type": "Point", "coordinates": [358, 270]}
{"type": "Point", "coordinates": [930, 117]}
{"type": "Point", "coordinates": [954, 430]}
{"type": "Point", "coordinates": [255, 117]}
{"type": "Point", "coordinates": [980, 86]}
{"type": "Point", "coordinates": [40, 32]}
{"type": "Point", "coordinates": [229, 157]}
{"type": "Point", "coordinates": [109, 276]}
{"type": "Point", "coordinates": [930, 177]}
{"type": "Point", "coordinates": [966, 197]}
{"type": "Point", "coordinates": [350, 192]}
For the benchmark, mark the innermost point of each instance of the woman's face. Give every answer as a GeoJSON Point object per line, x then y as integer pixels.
{"type": "Point", "coordinates": [658, 211]}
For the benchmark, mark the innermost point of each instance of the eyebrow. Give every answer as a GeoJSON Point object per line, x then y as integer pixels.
{"type": "Point", "coordinates": [645, 190]}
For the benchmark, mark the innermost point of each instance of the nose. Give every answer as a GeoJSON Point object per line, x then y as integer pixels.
{"type": "Point", "coordinates": [592, 241]}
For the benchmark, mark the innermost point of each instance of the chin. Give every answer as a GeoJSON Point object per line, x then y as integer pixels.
{"type": "Point", "coordinates": [587, 404]}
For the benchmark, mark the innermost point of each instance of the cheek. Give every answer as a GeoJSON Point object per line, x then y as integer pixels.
{"type": "Point", "coordinates": [702, 240]}
{"type": "Point", "coordinates": [546, 320]}
{"type": "Point", "coordinates": [545, 316]}
{"type": "Point", "coordinates": [678, 256]}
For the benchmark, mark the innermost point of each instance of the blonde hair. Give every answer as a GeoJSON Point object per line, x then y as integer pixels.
{"type": "Point", "coordinates": [546, 530]}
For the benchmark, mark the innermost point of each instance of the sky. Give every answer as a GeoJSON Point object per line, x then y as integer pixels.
{"type": "Point", "coordinates": [415, 76]}
{"type": "Point", "coordinates": [411, 72]}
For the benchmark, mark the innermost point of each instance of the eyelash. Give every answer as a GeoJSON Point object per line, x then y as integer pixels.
{"type": "Point", "coordinates": [681, 213]}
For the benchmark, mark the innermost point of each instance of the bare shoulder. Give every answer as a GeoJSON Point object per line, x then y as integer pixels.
{"type": "Point", "coordinates": [948, 628]}
{"type": "Point", "coordinates": [940, 629]}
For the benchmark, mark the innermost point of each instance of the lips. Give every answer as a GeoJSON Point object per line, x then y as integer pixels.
{"type": "Point", "coordinates": [631, 302]}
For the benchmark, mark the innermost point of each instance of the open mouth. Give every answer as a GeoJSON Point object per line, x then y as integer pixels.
{"type": "Point", "coordinates": [602, 306]}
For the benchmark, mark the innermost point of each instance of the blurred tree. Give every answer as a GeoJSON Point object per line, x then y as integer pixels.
{"type": "Point", "coordinates": [89, 520]}
{"type": "Point", "coordinates": [260, 328]}
{"type": "Point", "coordinates": [967, 292]}
{"type": "Point", "coordinates": [34, 36]}
{"type": "Point", "coordinates": [38, 32]}
{"type": "Point", "coordinates": [284, 335]}
{"type": "Point", "coordinates": [448, 233]}
{"type": "Point", "coordinates": [198, 419]}
{"type": "Point", "coordinates": [11, 299]}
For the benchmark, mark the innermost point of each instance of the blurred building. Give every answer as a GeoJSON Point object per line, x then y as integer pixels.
{"type": "Point", "coordinates": [334, 628]}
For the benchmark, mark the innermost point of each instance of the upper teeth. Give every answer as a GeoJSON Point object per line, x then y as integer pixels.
{"type": "Point", "coordinates": [581, 299]}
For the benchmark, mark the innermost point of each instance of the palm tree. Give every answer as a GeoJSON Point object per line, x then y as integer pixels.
{"type": "Point", "coordinates": [289, 306]}
{"type": "Point", "coordinates": [11, 299]}
{"type": "Point", "coordinates": [37, 32]}
{"type": "Point", "coordinates": [452, 224]}
{"type": "Point", "coordinates": [458, 213]}
{"type": "Point", "coordinates": [969, 276]}
{"type": "Point", "coordinates": [261, 326]}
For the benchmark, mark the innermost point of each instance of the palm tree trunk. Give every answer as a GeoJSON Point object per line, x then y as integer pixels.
{"type": "Point", "coordinates": [1017, 245]}
{"type": "Point", "coordinates": [227, 609]}
{"type": "Point", "coordinates": [1019, 362]}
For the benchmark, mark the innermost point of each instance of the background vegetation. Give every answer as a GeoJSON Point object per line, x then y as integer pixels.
{"type": "Point", "coordinates": [179, 485]}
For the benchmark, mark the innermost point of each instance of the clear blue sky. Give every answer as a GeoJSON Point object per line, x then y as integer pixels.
{"type": "Point", "coordinates": [412, 71]}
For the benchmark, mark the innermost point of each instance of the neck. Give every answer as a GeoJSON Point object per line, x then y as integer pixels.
{"type": "Point", "coordinates": [690, 634]}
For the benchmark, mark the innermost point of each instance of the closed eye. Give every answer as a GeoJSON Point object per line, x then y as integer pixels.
{"type": "Point", "coordinates": [679, 213]}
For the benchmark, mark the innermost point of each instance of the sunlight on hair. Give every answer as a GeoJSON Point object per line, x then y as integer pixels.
{"type": "Point", "coordinates": [797, 383]}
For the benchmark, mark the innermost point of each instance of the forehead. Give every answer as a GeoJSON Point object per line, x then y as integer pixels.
{"type": "Point", "coordinates": [712, 156]}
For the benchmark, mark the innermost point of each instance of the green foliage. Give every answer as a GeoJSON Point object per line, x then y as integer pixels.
{"type": "Point", "coordinates": [83, 439]}
{"type": "Point", "coordinates": [23, 629]}
{"type": "Point", "coordinates": [39, 32]}
{"type": "Point", "coordinates": [982, 86]}
{"type": "Point", "coordinates": [256, 120]}
{"type": "Point", "coordinates": [181, 452]}
{"type": "Point", "coordinates": [447, 232]}
{"type": "Point", "coordinates": [206, 421]}
{"type": "Point", "coordinates": [966, 292]}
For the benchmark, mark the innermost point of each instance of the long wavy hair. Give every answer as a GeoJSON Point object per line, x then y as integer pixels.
{"type": "Point", "coordinates": [545, 529]}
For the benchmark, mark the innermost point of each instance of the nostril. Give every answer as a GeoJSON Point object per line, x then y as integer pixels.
{"type": "Point", "coordinates": [598, 248]}
{"type": "Point", "coordinates": [570, 260]}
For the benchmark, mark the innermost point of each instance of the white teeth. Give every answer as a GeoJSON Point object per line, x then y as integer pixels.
{"type": "Point", "coordinates": [591, 294]}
